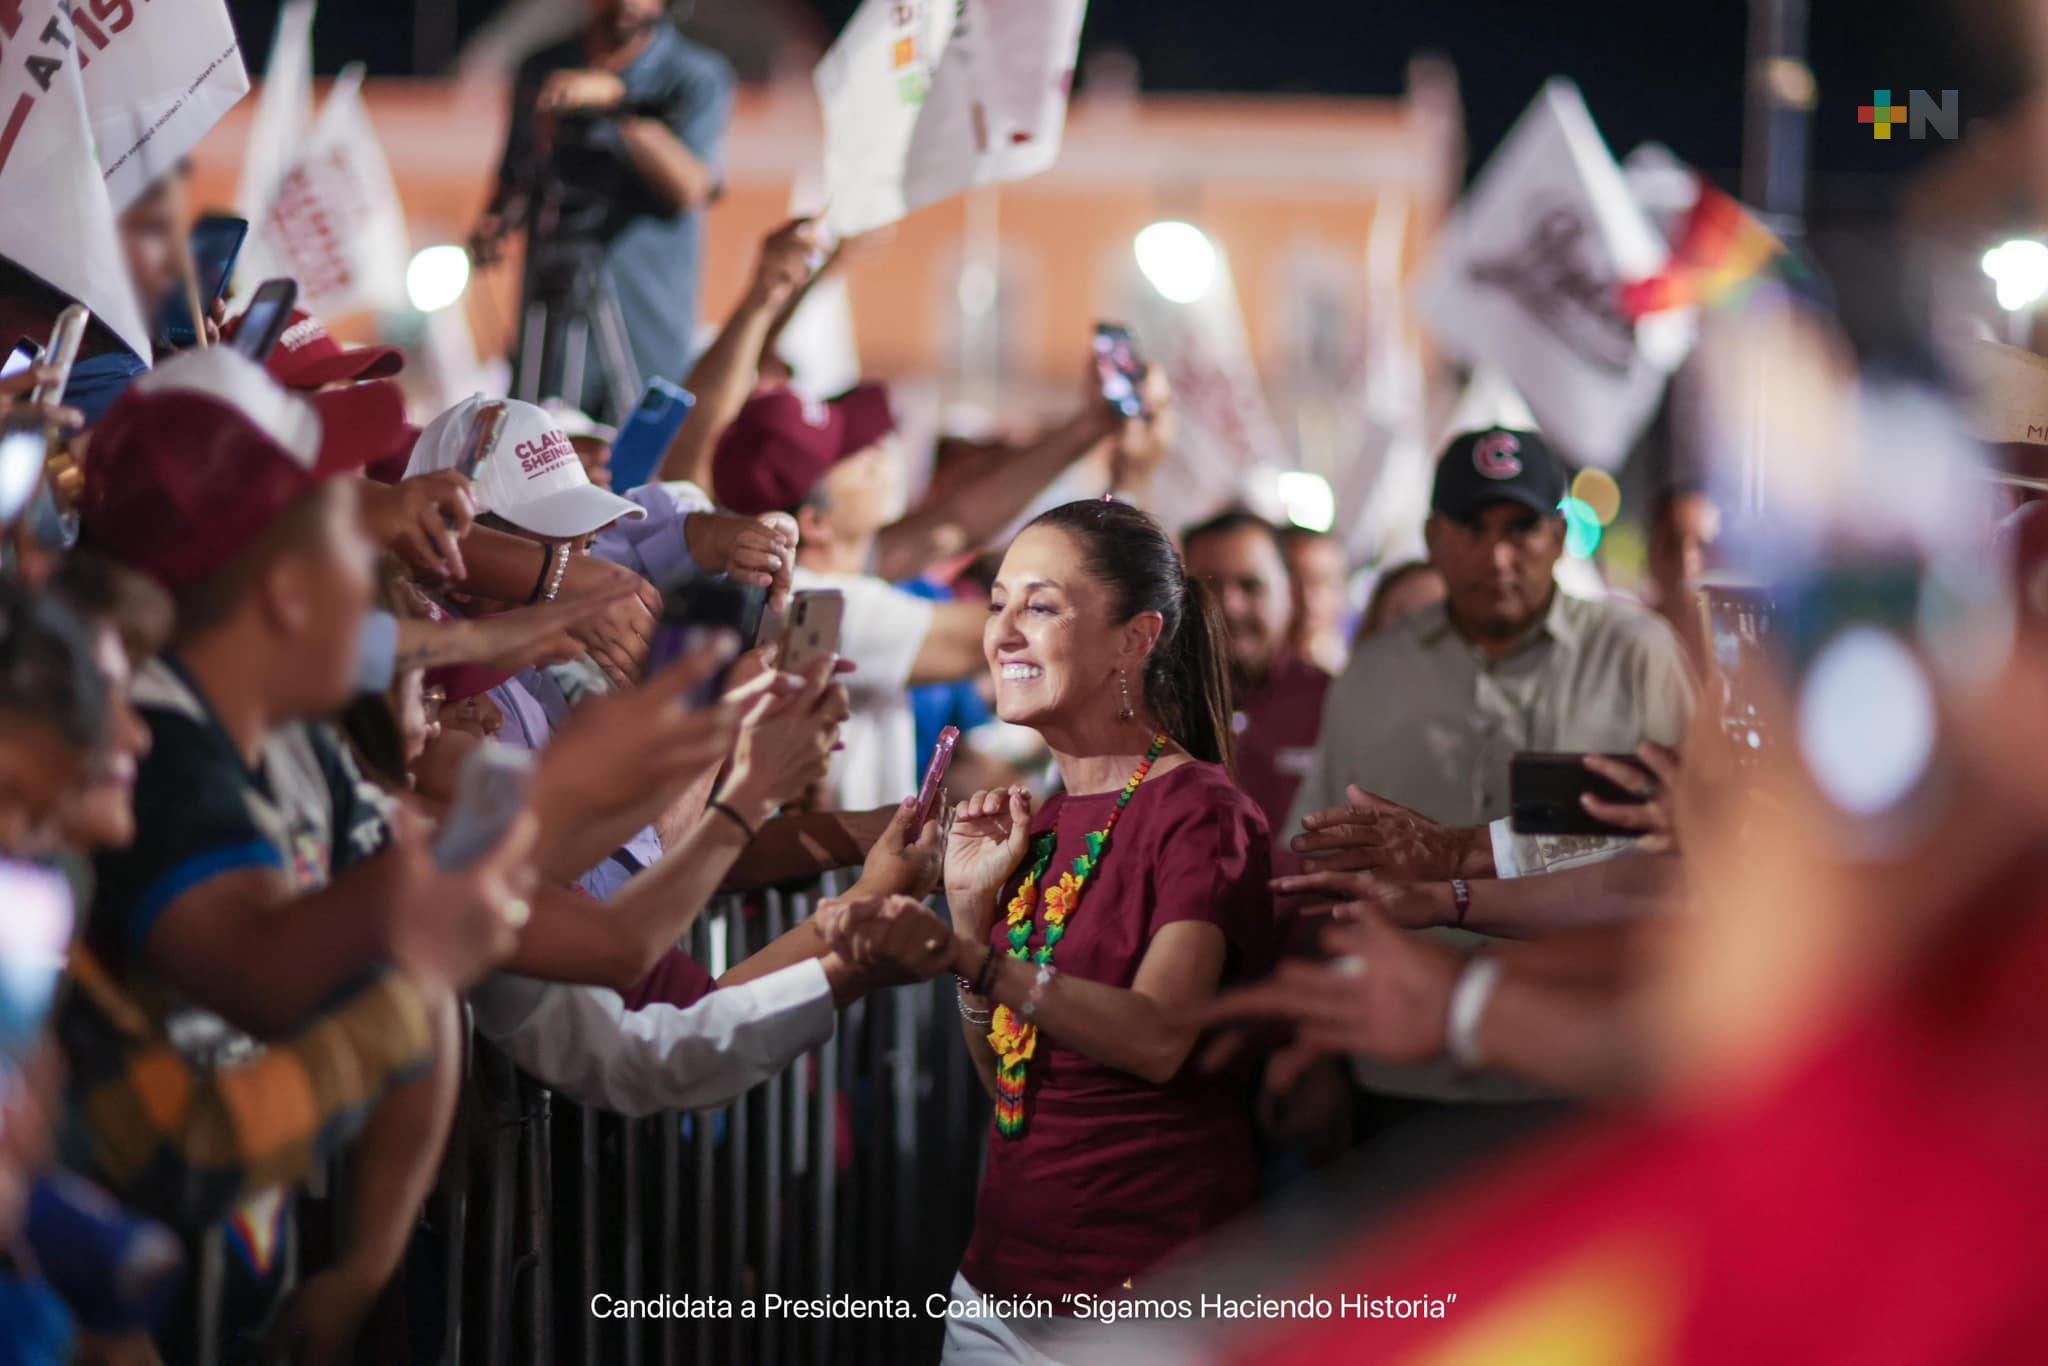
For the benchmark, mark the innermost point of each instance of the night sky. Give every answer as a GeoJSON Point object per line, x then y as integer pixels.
{"type": "Point", "coordinates": [1672, 73]}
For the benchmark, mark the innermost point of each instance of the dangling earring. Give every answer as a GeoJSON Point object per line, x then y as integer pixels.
{"type": "Point", "coordinates": [1123, 684]}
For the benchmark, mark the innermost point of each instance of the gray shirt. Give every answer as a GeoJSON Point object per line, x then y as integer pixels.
{"type": "Point", "coordinates": [1423, 717]}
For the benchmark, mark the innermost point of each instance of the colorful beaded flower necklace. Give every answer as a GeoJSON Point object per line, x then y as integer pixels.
{"type": "Point", "coordinates": [1013, 1040]}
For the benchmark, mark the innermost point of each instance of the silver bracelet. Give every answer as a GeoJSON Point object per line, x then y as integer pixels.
{"type": "Point", "coordinates": [1469, 995]}
{"type": "Point", "coordinates": [969, 1013]}
{"type": "Point", "coordinates": [1046, 972]}
{"type": "Point", "coordinates": [561, 571]}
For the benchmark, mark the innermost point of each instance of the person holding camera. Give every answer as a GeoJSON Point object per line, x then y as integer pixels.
{"type": "Point", "coordinates": [614, 146]}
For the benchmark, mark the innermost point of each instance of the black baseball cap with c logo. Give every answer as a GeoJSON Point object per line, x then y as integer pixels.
{"type": "Point", "coordinates": [1497, 465]}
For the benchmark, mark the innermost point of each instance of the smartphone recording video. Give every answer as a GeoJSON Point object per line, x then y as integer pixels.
{"type": "Point", "coordinates": [1121, 368]}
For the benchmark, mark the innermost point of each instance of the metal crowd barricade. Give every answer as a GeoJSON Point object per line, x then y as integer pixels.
{"type": "Point", "coordinates": [852, 1172]}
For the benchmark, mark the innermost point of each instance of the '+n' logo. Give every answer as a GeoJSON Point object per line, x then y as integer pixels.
{"type": "Point", "coordinates": [1881, 114]}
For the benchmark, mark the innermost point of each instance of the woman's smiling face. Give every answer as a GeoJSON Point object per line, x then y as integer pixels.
{"type": "Point", "coordinates": [1051, 645]}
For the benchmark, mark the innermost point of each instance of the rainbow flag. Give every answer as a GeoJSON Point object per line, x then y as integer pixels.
{"type": "Point", "coordinates": [1719, 249]}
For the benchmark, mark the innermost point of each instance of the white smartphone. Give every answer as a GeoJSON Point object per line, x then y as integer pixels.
{"type": "Point", "coordinates": [61, 353]}
{"type": "Point", "coordinates": [490, 792]}
{"type": "Point", "coordinates": [812, 630]}
{"type": "Point", "coordinates": [33, 935]}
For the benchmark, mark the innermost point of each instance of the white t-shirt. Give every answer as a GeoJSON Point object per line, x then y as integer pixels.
{"type": "Point", "coordinates": [882, 631]}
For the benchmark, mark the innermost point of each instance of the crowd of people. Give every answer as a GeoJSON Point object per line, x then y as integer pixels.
{"type": "Point", "coordinates": [325, 738]}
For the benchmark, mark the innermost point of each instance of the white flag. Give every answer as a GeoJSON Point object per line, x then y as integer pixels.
{"type": "Point", "coordinates": [820, 345]}
{"type": "Point", "coordinates": [1227, 446]}
{"type": "Point", "coordinates": [926, 98]}
{"type": "Point", "coordinates": [277, 134]}
{"type": "Point", "coordinates": [335, 222]}
{"type": "Point", "coordinates": [56, 221]}
{"type": "Point", "coordinates": [1527, 275]}
{"type": "Point", "coordinates": [158, 75]}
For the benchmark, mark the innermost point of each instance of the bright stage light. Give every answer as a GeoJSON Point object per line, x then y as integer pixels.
{"type": "Point", "coordinates": [436, 277]}
{"type": "Point", "coordinates": [1179, 260]}
{"type": "Point", "coordinates": [1308, 500]}
{"type": "Point", "coordinates": [2020, 270]}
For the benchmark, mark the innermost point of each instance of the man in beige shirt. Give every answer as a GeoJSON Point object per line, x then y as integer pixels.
{"type": "Point", "coordinates": [1430, 711]}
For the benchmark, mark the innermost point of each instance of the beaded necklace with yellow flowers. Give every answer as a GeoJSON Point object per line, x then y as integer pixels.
{"type": "Point", "coordinates": [1015, 1040]}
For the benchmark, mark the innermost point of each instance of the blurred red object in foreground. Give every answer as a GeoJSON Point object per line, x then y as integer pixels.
{"type": "Point", "coordinates": [1881, 1199]}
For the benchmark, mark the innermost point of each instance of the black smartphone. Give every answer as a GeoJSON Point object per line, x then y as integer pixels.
{"type": "Point", "coordinates": [692, 612]}
{"type": "Point", "coordinates": [1544, 792]}
{"type": "Point", "coordinates": [264, 321]}
{"type": "Point", "coordinates": [1738, 623]}
{"type": "Point", "coordinates": [1121, 369]}
{"type": "Point", "coordinates": [216, 242]}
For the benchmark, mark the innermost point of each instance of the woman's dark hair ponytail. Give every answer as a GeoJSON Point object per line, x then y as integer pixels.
{"type": "Point", "coordinates": [1187, 678]}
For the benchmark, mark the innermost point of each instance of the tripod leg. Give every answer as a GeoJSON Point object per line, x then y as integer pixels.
{"type": "Point", "coordinates": [615, 352]}
{"type": "Point", "coordinates": [575, 349]}
{"type": "Point", "coordinates": [533, 340]}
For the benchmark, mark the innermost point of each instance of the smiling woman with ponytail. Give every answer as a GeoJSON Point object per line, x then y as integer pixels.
{"type": "Point", "coordinates": [1084, 930]}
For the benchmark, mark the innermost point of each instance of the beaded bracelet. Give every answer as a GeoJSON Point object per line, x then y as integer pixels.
{"type": "Point", "coordinates": [562, 558]}
{"type": "Point", "coordinates": [1046, 972]}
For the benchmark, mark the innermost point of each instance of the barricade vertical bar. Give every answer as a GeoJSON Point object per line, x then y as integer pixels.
{"type": "Point", "coordinates": [212, 1270]}
{"type": "Point", "coordinates": [770, 1204]}
{"type": "Point", "coordinates": [452, 1280]}
{"type": "Point", "coordinates": [588, 1233]}
{"type": "Point", "coordinates": [738, 942]}
{"type": "Point", "coordinates": [904, 1055]}
{"type": "Point", "coordinates": [703, 1157]}
{"type": "Point", "coordinates": [540, 1236]}
{"type": "Point", "coordinates": [632, 1251]}
{"type": "Point", "coordinates": [824, 1162]}
{"type": "Point", "coordinates": [669, 1235]}
{"type": "Point", "coordinates": [501, 1170]}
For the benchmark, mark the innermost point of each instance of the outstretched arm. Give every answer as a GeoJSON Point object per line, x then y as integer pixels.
{"type": "Point", "coordinates": [1611, 892]}
{"type": "Point", "coordinates": [978, 511]}
{"type": "Point", "coordinates": [724, 376]}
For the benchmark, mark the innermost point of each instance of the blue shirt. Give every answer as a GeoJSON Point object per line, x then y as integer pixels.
{"type": "Point", "coordinates": [939, 705]}
{"type": "Point", "coordinates": [652, 255]}
{"type": "Point", "coordinates": [98, 380]}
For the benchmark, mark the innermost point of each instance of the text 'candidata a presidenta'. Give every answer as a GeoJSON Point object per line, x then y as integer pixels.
{"type": "Point", "coordinates": [1098, 1308]}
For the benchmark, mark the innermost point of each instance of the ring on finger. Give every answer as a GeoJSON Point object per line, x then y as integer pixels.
{"type": "Point", "coordinates": [517, 910]}
{"type": "Point", "coordinates": [1350, 965]}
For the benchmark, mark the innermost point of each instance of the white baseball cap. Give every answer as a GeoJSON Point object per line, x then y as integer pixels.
{"type": "Point", "coordinates": [523, 466]}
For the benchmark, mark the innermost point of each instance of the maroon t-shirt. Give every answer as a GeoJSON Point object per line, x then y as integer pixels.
{"type": "Point", "coordinates": [1113, 1173]}
{"type": "Point", "coordinates": [1277, 725]}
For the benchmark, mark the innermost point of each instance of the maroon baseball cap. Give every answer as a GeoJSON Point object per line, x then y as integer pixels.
{"type": "Point", "coordinates": [201, 454]}
{"type": "Point", "coordinates": [781, 444]}
{"type": "Point", "coordinates": [307, 358]}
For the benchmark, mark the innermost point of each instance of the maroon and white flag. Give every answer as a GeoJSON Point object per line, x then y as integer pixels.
{"type": "Point", "coordinates": [926, 98]}
{"type": "Point", "coordinates": [333, 220]}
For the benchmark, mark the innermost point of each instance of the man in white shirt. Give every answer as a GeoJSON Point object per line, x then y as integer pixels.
{"type": "Point", "coordinates": [582, 1041]}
